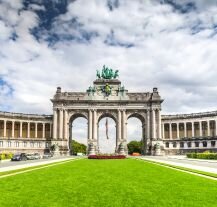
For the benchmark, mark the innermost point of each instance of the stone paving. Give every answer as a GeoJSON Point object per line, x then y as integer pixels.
{"type": "Point", "coordinates": [15, 165]}
{"type": "Point", "coordinates": [181, 161]}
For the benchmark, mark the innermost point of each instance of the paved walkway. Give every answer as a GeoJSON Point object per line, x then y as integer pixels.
{"type": "Point", "coordinates": [7, 166]}
{"type": "Point", "coordinates": [181, 161]}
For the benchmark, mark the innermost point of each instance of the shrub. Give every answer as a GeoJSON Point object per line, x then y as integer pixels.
{"type": "Point", "coordinates": [106, 157]}
{"type": "Point", "coordinates": [206, 155]}
{"type": "Point", "coordinates": [134, 146]}
{"type": "Point", "coordinates": [2, 156]}
{"type": "Point", "coordinates": [6, 155]}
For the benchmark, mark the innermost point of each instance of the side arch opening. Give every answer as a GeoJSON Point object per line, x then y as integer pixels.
{"type": "Point", "coordinates": [78, 130]}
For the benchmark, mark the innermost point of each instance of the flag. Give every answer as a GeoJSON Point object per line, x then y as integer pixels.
{"type": "Point", "coordinates": [106, 128]}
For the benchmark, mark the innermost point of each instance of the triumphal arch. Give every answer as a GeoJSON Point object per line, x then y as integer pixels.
{"type": "Point", "coordinates": [107, 97]}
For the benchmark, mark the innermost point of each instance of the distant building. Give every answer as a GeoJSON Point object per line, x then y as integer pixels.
{"type": "Point", "coordinates": [162, 134]}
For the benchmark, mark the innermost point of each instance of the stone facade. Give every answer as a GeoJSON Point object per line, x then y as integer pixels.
{"type": "Point", "coordinates": [117, 103]}
{"type": "Point", "coordinates": [196, 132]}
{"type": "Point", "coordinates": [162, 134]}
{"type": "Point", "coordinates": [25, 132]}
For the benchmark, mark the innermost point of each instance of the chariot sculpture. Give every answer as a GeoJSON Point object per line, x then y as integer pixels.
{"type": "Point", "coordinates": [107, 73]}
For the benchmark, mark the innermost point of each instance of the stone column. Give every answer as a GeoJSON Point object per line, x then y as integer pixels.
{"type": "Point", "coordinates": [60, 123]}
{"type": "Point", "coordinates": [90, 123]}
{"type": "Point", "coordinates": [51, 130]}
{"type": "Point", "coordinates": [36, 129]}
{"type": "Point", "coordinates": [21, 129]}
{"type": "Point", "coordinates": [119, 125]}
{"type": "Point", "coordinates": [28, 129]}
{"type": "Point", "coordinates": [124, 125]}
{"type": "Point", "coordinates": [12, 133]}
{"type": "Point", "coordinates": [185, 129]}
{"type": "Point", "coordinates": [66, 125]}
{"type": "Point", "coordinates": [192, 127]}
{"type": "Point", "coordinates": [208, 128]}
{"type": "Point", "coordinates": [5, 129]}
{"type": "Point", "coordinates": [153, 125]}
{"type": "Point", "coordinates": [215, 127]}
{"type": "Point", "coordinates": [144, 140]}
{"type": "Point", "coordinates": [55, 123]}
{"type": "Point", "coordinates": [159, 125]}
{"type": "Point", "coordinates": [200, 127]}
{"type": "Point", "coordinates": [163, 133]}
{"type": "Point", "coordinates": [43, 130]}
{"type": "Point", "coordinates": [148, 124]}
{"type": "Point", "coordinates": [177, 127]}
{"type": "Point", "coordinates": [170, 131]}
{"type": "Point", "coordinates": [94, 125]}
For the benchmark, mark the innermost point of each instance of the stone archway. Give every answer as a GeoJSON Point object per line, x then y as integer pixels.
{"type": "Point", "coordinates": [142, 118]}
{"type": "Point", "coordinates": [74, 116]}
{"type": "Point", "coordinates": [113, 116]}
{"type": "Point", "coordinates": [109, 97]}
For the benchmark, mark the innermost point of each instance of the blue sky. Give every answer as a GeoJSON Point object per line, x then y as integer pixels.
{"type": "Point", "coordinates": [164, 43]}
{"type": "Point", "coordinates": [168, 44]}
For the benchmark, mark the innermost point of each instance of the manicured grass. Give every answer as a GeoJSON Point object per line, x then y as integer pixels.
{"type": "Point", "coordinates": [107, 183]}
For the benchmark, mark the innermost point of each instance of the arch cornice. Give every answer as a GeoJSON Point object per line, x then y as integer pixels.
{"type": "Point", "coordinates": [74, 114]}
{"type": "Point", "coordinates": [107, 113]}
{"type": "Point", "coordinates": [141, 115]}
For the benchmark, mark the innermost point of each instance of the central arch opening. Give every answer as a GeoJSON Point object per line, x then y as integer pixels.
{"type": "Point", "coordinates": [107, 134]}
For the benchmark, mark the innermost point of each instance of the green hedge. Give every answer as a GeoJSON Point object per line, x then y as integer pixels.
{"type": "Point", "coordinates": [4, 156]}
{"type": "Point", "coordinates": [209, 156]}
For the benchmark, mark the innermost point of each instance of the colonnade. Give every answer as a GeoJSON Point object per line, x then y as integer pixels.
{"type": "Point", "coordinates": [60, 124]}
{"type": "Point", "coordinates": [189, 128]}
{"type": "Point", "coordinates": [15, 128]}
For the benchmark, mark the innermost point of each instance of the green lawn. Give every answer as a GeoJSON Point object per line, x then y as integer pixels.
{"type": "Point", "coordinates": [107, 183]}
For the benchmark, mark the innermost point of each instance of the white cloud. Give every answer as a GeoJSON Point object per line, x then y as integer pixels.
{"type": "Point", "coordinates": [166, 53]}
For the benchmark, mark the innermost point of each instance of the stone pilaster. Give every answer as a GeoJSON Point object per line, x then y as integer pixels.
{"type": "Point", "coordinates": [21, 129]}
{"type": "Point", "coordinates": [66, 125]}
{"type": "Point", "coordinates": [144, 139]}
{"type": "Point", "coordinates": [51, 129]}
{"type": "Point", "coordinates": [200, 127]}
{"type": "Point", "coordinates": [36, 129]}
{"type": "Point", "coordinates": [12, 134]}
{"type": "Point", "coordinates": [60, 123]}
{"type": "Point", "coordinates": [28, 129]}
{"type": "Point", "coordinates": [5, 128]}
{"type": "Point", "coordinates": [94, 124]}
{"type": "Point", "coordinates": [159, 124]}
{"type": "Point", "coordinates": [185, 129]}
{"type": "Point", "coordinates": [170, 130]}
{"type": "Point", "coordinates": [90, 124]}
{"type": "Point", "coordinates": [148, 125]}
{"type": "Point", "coordinates": [119, 125]}
{"type": "Point", "coordinates": [153, 124]}
{"type": "Point", "coordinates": [43, 130]}
{"type": "Point", "coordinates": [192, 125]}
{"type": "Point", "coordinates": [124, 125]}
{"type": "Point", "coordinates": [163, 132]}
{"type": "Point", "coordinates": [208, 128]}
{"type": "Point", "coordinates": [55, 123]}
{"type": "Point", "coordinates": [177, 127]}
{"type": "Point", "coordinates": [215, 127]}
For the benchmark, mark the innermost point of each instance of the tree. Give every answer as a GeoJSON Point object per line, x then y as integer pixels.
{"type": "Point", "coordinates": [134, 146]}
{"type": "Point", "coordinates": [78, 147]}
